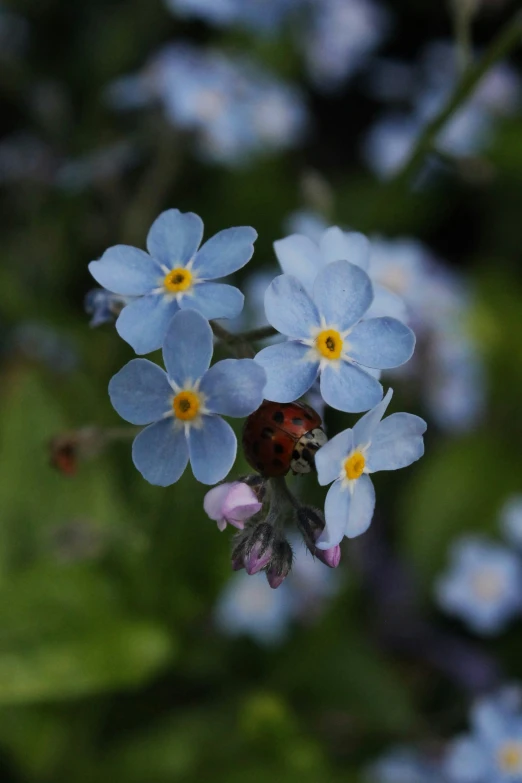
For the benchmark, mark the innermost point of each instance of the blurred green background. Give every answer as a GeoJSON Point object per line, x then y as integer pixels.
{"type": "Point", "coordinates": [111, 664]}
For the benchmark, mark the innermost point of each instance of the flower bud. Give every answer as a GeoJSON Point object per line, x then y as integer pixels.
{"type": "Point", "coordinates": [231, 503]}
{"type": "Point", "coordinates": [67, 450]}
{"type": "Point", "coordinates": [281, 563]}
{"type": "Point", "coordinates": [311, 523]}
{"type": "Point", "coordinates": [259, 548]}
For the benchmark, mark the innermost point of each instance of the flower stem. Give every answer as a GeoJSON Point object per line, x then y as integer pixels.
{"type": "Point", "coordinates": [507, 40]}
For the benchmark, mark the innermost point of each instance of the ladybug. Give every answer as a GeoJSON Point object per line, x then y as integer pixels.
{"type": "Point", "coordinates": [282, 436]}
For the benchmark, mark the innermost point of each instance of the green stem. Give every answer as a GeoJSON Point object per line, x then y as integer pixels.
{"type": "Point", "coordinates": [507, 40]}
{"type": "Point", "coordinates": [258, 334]}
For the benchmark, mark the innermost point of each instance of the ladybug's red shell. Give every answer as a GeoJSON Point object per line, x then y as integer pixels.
{"type": "Point", "coordinates": [276, 436]}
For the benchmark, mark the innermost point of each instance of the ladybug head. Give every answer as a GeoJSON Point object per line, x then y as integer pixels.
{"type": "Point", "coordinates": [303, 455]}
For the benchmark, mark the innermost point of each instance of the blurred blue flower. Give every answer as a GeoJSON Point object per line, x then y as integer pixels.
{"type": "Point", "coordinates": [482, 585]}
{"type": "Point", "coordinates": [98, 166]}
{"type": "Point", "coordinates": [103, 306]}
{"type": "Point", "coordinates": [183, 406]}
{"type": "Point", "coordinates": [492, 751]}
{"type": "Point", "coordinates": [511, 520]}
{"type": "Point", "coordinates": [328, 337]}
{"type": "Point", "coordinates": [404, 765]}
{"type": "Point", "coordinates": [253, 14]}
{"type": "Point", "coordinates": [173, 275]}
{"type": "Point", "coordinates": [40, 342]}
{"type": "Point", "coordinates": [349, 458]}
{"type": "Point", "coordinates": [306, 222]}
{"type": "Point", "coordinates": [237, 109]}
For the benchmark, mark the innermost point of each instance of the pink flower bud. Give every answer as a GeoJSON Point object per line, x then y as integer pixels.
{"type": "Point", "coordinates": [231, 503]}
{"type": "Point", "coordinates": [330, 557]}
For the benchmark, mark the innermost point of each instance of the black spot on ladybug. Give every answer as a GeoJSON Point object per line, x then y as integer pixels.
{"type": "Point", "coordinates": [297, 421]}
{"type": "Point", "coordinates": [260, 466]}
{"type": "Point", "coordinates": [255, 447]}
{"type": "Point", "coordinates": [267, 432]}
{"type": "Point", "coordinates": [295, 454]}
{"type": "Point", "coordinates": [308, 416]}
{"type": "Point", "coordinates": [305, 454]}
{"type": "Point", "coordinates": [278, 448]}
{"type": "Point", "coordinates": [277, 463]}
{"type": "Point", "coordinates": [278, 417]}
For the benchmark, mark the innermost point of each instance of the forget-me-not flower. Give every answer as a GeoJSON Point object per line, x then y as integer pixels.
{"type": "Point", "coordinates": [405, 765]}
{"type": "Point", "coordinates": [483, 584]}
{"type": "Point", "coordinates": [492, 751]}
{"type": "Point", "coordinates": [174, 275]}
{"type": "Point", "coordinates": [511, 520]}
{"type": "Point", "coordinates": [349, 458]}
{"type": "Point", "coordinates": [183, 406]}
{"type": "Point", "coordinates": [328, 337]}
{"type": "Point", "coordinates": [103, 306]}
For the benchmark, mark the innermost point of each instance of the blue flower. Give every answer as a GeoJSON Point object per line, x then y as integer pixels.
{"type": "Point", "coordinates": [103, 306]}
{"type": "Point", "coordinates": [483, 584]}
{"type": "Point", "coordinates": [350, 457]}
{"type": "Point", "coordinates": [265, 15]}
{"type": "Point", "coordinates": [404, 765]}
{"type": "Point", "coordinates": [327, 336]}
{"type": "Point", "coordinates": [492, 751]}
{"type": "Point", "coordinates": [181, 406]}
{"type": "Point", "coordinates": [511, 520]}
{"type": "Point", "coordinates": [174, 274]}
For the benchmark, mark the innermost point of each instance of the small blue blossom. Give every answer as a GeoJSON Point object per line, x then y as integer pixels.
{"type": "Point", "coordinates": [253, 14]}
{"type": "Point", "coordinates": [173, 275]}
{"type": "Point", "coordinates": [183, 406]}
{"type": "Point", "coordinates": [350, 457]}
{"type": "Point", "coordinates": [492, 751]}
{"type": "Point", "coordinates": [103, 306]}
{"type": "Point", "coordinates": [404, 765]}
{"type": "Point", "coordinates": [482, 585]}
{"type": "Point", "coordinates": [328, 337]}
{"type": "Point", "coordinates": [511, 520]}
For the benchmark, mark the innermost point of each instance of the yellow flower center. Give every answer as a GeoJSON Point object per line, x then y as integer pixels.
{"type": "Point", "coordinates": [186, 405]}
{"type": "Point", "coordinates": [510, 757]}
{"type": "Point", "coordinates": [354, 466]}
{"type": "Point", "coordinates": [329, 343]}
{"type": "Point", "coordinates": [178, 280]}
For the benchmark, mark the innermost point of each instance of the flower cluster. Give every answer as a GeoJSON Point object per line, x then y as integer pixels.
{"type": "Point", "coordinates": [338, 330]}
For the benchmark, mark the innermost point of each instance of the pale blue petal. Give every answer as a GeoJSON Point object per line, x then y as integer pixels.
{"type": "Point", "coordinates": [289, 373]}
{"type": "Point", "coordinates": [361, 508]}
{"type": "Point", "coordinates": [336, 511]}
{"type": "Point", "coordinates": [348, 388]}
{"type": "Point", "coordinates": [381, 343]}
{"type": "Point", "coordinates": [144, 322]}
{"type": "Point", "coordinates": [396, 442]}
{"type": "Point", "coordinates": [343, 293]}
{"type": "Point", "coordinates": [140, 392]}
{"type": "Point", "coordinates": [299, 256]}
{"type": "Point", "coordinates": [214, 300]}
{"type": "Point", "coordinates": [289, 308]}
{"type": "Point", "coordinates": [160, 452]}
{"type": "Point", "coordinates": [466, 760]}
{"type": "Point", "coordinates": [330, 457]}
{"type": "Point", "coordinates": [337, 245]}
{"type": "Point", "coordinates": [212, 450]}
{"type": "Point", "coordinates": [234, 387]}
{"type": "Point", "coordinates": [188, 347]}
{"type": "Point", "coordinates": [364, 429]}
{"type": "Point", "coordinates": [225, 252]}
{"type": "Point", "coordinates": [126, 270]}
{"type": "Point", "coordinates": [174, 237]}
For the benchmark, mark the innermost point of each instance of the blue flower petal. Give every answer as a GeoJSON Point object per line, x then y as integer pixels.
{"type": "Point", "coordinates": [214, 300]}
{"type": "Point", "coordinates": [143, 323]}
{"type": "Point", "coordinates": [299, 256]}
{"type": "Point", "coordinates": [336, 510]}
{"type": "Point", "coordinates": [343, 293]}
{"type": "Point", "coordinates": [174, 237]}
{"type": "Point", "coordinates": [234, 387]}
{"type": "Point", "coordinates": [348, 388]}
{"type": "Point", "coordinates": [225, 252]}
{"type": "Point", "coordinates": [396, 442]}
{"type": "Point", "coordinates": [188, 347]}
{"type": "Point", "coordinates": [337, 245]}
{"type": "Point", "coordinates": [329, 459]}
{"type": "Point", "coordinates": [289, 373]}
{"type": "Point", "coordinates": [140, 392]}
{"type": "Point", "coordinates": [212, 449]}
{"type": "Point", "coordinates": [126, 270]}
{"type": "Point", "coordinates": [364, 429]}
{"type": "Point", "coordinates": [289, 308]}
{"type": "Point", "coordinates": [381, 343]}
{"type": "Point", "coordinates": [160, 452]}
{"type": "Point", "coordinates": [362, 507]}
